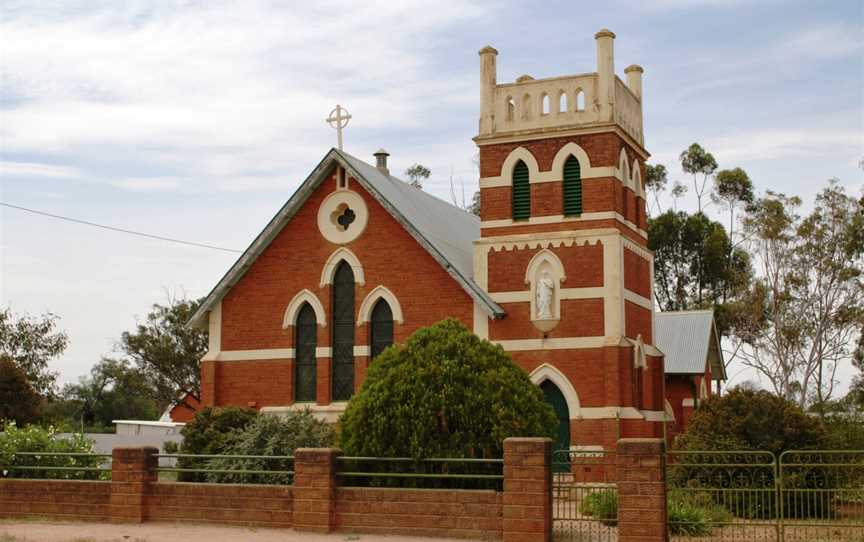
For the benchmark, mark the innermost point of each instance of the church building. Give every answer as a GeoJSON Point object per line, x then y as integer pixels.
{"type": "Point", "coordinates": [556, 269]}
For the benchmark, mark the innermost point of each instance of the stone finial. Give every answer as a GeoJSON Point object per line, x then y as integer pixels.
{"type": "Point", "coordinates": [604, 33]}
{"type": "Point", "coordinates": [523, 78]}
{"type": "Point", "coordinates": [634, 68]}
{"type": "Point", "coordinates": [634, 79]}
{"type": "Point", "coordinates": [488, 50]}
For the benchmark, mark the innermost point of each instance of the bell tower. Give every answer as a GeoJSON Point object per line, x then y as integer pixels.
{"type": "Point", "coordinates": [563, 243]}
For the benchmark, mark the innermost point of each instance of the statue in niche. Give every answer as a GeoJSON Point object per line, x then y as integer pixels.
{"type": "Point", "coordinates": [545, 292]}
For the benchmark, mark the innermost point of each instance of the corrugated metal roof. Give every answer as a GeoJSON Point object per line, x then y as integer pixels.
{"type": "Point", "coordinates": [446, 231]}
{"type": "Point", "coordinates": [688, 340]}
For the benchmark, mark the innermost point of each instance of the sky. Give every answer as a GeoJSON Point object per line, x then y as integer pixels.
{"type": "Point", "coordinates": [198, 119]}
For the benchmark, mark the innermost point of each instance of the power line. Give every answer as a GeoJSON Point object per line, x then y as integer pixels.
{"type": "Point", "coordinates": [120, 230]}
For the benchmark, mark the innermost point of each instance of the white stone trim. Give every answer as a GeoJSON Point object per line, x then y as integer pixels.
{"type": "Point", "coordinates": [670, 412]}
{"type": "Point", "coordinates": [329, 413]}
{"type": "Point", "coordinates": [361, 350]}
{"type": "Point", "coordinates": [524, 296]}
{"type": "Point", "coordinates": [214, 338]}
{"type": "Point", "coordinates": [624, 168]}
{"type": "Point", "coordinates": [304, 296]}
{"type": "Point", "coordinates": [556, 219]}
{"type": "Point", "coordinates": [637, 179]}
{"type": "Point", "coordinates": [548, 372]}
{"type": "Point", "coordinates": [555, 174]}
{"type": "Point", "coordinates": [517, 154]}
{"type": "Point", "coordinates": [563, 343]}
{"type": "Point", "coordinates": [252, 355]}
{"type": "Point", "coordinates": [328, 209]}
{"type": "Point", "coordinates": [688, 402]}
{"type": "Point", "coordinates": [640, 251]}
{"type": "Point", "coordinates": [624, 413]}
{"type": "Point", "coordinates": [481, 322]}
{"type": "Point", "coordinates": [368, 303]}
{"type": "Point", "coordinates": [637, 299]}
{"type": "Point", "coordinates": [332, 262]}
{"type": "Point", "coordinates": [323, 352]}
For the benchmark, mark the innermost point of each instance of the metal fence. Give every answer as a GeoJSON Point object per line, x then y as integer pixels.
{"type": "Point", "coordinates": [742, 495]}
{"type": "Point", "coordinates": [584, 496]}
{"type": "Point", "coordinates": [57, 466]}
{"type": "Point", "coordinates": [431, 473]}
{"type": "Point", "coordinates": [224, 468]}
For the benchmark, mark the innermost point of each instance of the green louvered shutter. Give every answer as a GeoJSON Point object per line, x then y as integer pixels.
{"type": "Point", "coordinates": [521, 192]}
{"type": "Point", "coordinates": [572, 187]}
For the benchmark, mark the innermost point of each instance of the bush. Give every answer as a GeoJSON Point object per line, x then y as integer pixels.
{"type": "Point", "coordinates": [444, 393]}
{"type": "Point", "coordinates": [744, 419]}
{"type": "Point", "coordinates": [601, 505]}
{"type": "Point", "coordinates": [844, 431]}
{"type": "Point", "coordinates": [209, 433]}
{"type": "Point", "coordinates": [19, 402]}
{"type": "Point", "coordinates": [33, 438]}
{"type": "Point", "coordinates": [270, 435]}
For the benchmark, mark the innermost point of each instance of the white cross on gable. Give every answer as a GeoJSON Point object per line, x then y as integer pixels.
{"type": "Point", "coordinates": [338, 119]}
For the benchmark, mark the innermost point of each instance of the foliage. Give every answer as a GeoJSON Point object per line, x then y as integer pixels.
{"type": "Point", "coordinates": [697, 161]}
{"type": "Point", "coordinates": [601, 505]}
{"type": "Point", "coordinates": [474, 208]}
{"type": "Point", "coordinates": [31, 342]}
{"type": "Point", "coordinates": [686, 519]}
{"type": "Point", "coordinates": [33, 438]}
{"type": "Point", "coordinates": [417, 173]}
{"type": "Point", "coordinates": [844, 430]}
{"type": "Point", "coordinates": [210, 433]}
{"type": "Point", "coordinates": [807, 304]}
{"type": "Point", "coordinates": [270, 435]}
{"type": "Point", "coordinates": [445, 393]}
{"type": "Point", "coordinates": [167, 351]}
{"type": "Point", "coordinates": [692, 263]}
{"type": "Point", "coordinates": [757, 420]}
{"type": "Point", "coordinates": [19, 402]}
{"type": "Point", "coordinates": [114, 391]}
{"type": "Point", "coordinates": [656, 179]}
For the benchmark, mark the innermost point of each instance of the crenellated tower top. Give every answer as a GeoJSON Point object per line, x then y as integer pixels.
{"type": "Point", "coordinates": [561, 104]}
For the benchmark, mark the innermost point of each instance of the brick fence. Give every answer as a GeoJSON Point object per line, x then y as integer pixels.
{"type": "Point", "coordinates": [521, 513]}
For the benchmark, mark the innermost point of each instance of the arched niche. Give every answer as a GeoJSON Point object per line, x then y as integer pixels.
{"type": "Point", "coordinates": [332, 263]}
{"type": "Point", "coordinates": [545, 273]}
{"type": "Point", "coordinates": [565, 152]}
{"type": "Point", "coordinates": [636, 174]}
{"type": "Point", "coordinates": [520, 153]}
{"type": "Point", "coordinates": [548, 372]}
{"type": "Point", "coordinates": [624, 168]}
{"type": "Point", "coordinates": [368, 303]}
{"type": "Point", "coordinates": [304, 296]}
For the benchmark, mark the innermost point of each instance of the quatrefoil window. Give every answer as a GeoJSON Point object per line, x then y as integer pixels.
{"type": "Point", "coordinates": [344, 216]}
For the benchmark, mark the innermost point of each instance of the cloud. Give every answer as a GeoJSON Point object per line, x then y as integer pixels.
{"type": "Point", "coordinates": [774, 144]}
{"type": "Point", "coordinates": [30, 169]}
{"type": "Point", "coordinates": [147, 184]}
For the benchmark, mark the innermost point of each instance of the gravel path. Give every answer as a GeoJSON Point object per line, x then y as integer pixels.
{"type": "Point", "coordinates": [172, 532]}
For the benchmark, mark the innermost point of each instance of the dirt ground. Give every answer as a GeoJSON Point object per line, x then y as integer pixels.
{"type": "Point", "coordinates": [172, 532]}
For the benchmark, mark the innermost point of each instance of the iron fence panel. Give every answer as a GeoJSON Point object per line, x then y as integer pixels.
{"type": "Point", "coordinates": [584, 496]}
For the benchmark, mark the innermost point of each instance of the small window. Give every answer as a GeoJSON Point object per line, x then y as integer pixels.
{"type": "Point", "coordinates": [521, 190]}
{"type": "Point", "coordinates": [526, 107]}
{"type": "Point", "coordinates": [381, 334]}
{"type": "Point", "coordinates": [580, 100]}
{"type": "Point", "coordinates": [305, 366]}
{"type": "Point", "coordinates": [511, 108]}
{"type": "Point", "coordinates": [572, 187]}
{"type": "Point", "coordinates": [562, 102]}
{"type": "Point", "coordinates": [545, 104]}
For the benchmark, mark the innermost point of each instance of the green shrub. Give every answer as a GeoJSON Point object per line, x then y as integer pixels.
{"type": "Point", "coordinates": [33, 438]}
{"type": "Point", "coordinates": [687, 519]}
{"type": "Point", "coordinates": [601, 505]}
{"type": "Point", "coordinates": [19, 402]}
{"type": "Point", "coordinates": [444, 393]}
{"type": "Point", "coordinates": [274, 436]}
{"type": "Point", "coordinates": [209, 433]}
{"type": "Point", "coordinates": [844, 431]}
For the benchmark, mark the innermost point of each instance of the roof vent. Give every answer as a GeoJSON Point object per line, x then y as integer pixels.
{"type": "Point", "coordinates": [381, 161]}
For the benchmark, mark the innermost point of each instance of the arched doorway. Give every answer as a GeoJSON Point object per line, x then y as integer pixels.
{"type": "Point", "coordinates": [555, 398]}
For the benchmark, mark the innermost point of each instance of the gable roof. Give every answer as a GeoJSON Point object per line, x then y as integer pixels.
{"type": "Point", "coordinates": [445, 231]}
{"type": "Point", "coordinates": [689, 340]}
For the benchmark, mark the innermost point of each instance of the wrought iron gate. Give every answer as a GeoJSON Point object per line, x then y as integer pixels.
{"type": "Point", "coordinates": [584, 496]}
{"type": "Point", "coordinates": [801, 496]}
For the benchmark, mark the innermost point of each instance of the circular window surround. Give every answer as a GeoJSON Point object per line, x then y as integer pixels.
{"type": "Point", "coordinates": [333, 207]}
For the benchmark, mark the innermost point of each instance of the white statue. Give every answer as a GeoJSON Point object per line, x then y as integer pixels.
{"type": "Point", "coordinates": [545, 292]}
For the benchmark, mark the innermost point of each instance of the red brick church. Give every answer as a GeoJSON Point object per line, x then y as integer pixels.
{"type": "Point", "coordinates": [556, 268]}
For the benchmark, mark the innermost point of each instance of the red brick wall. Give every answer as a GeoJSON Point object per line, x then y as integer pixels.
{"type": "Point", "coordinates": [583, 265]}
{"type": "Point", "coordinates": [579, 318]}
{"type": "Point", "coordinates": [61, 499]}
{"type": "Point", "coordinates": [638, 322]}
{"type": "Point", "coordinates": [236, 504]}
{"type": "Point", "coordinates": [637, 274]}
{"type": "Point", "coordinates": [446, 513]}
{"type": "Point", "coordinates": [253, 311]}
{"type": "Point", "coordinates": [678, 388]}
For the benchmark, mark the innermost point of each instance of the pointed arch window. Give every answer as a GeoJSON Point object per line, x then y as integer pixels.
{"type": "Point", "coordinates": [381, 329]}
{"type": "Point", "coordinates": [343, 333]}
{"type": "Point", "coordinates": [306, 341]}
{"type": "Point", "coordinates": [572, 187]}
{"type": "Point", "coordinates": [521, 192]}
